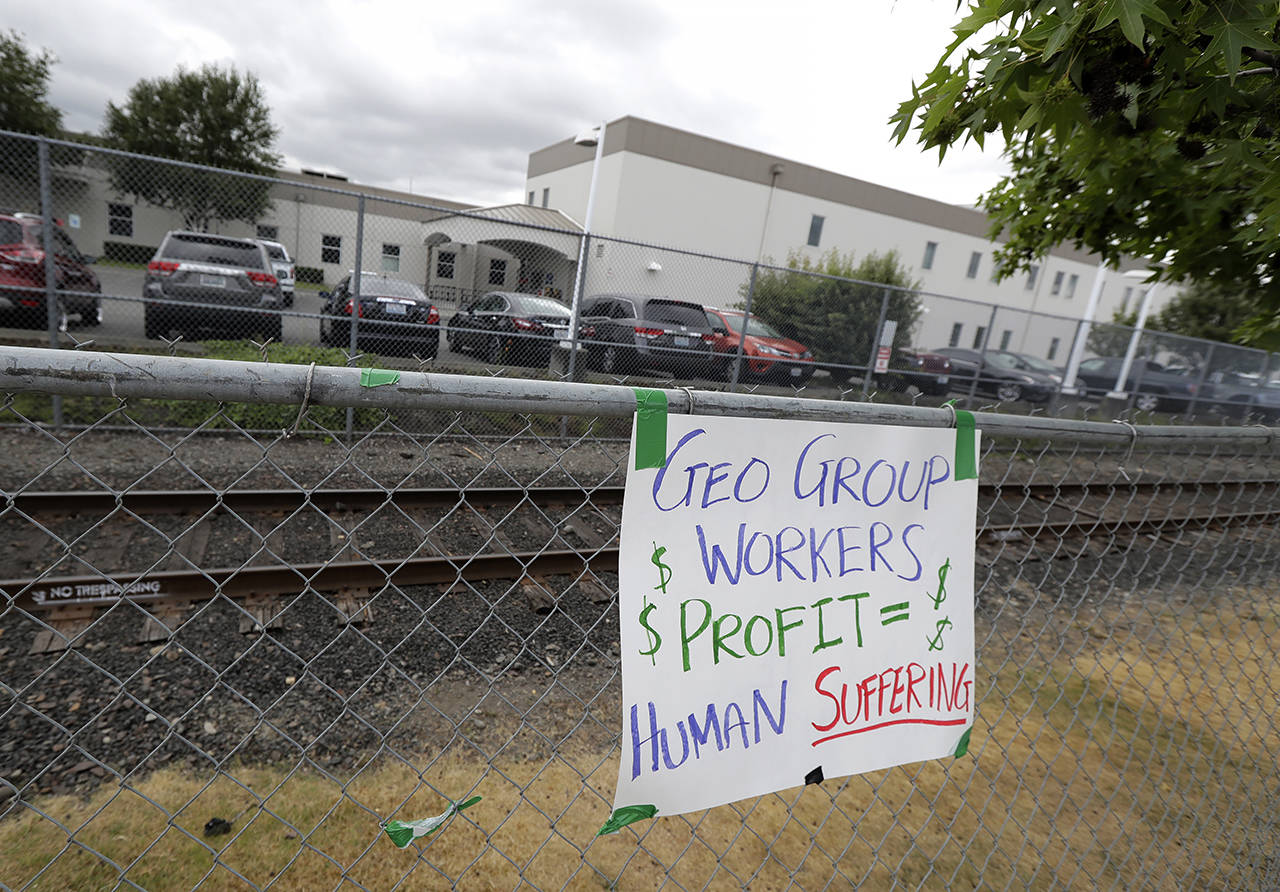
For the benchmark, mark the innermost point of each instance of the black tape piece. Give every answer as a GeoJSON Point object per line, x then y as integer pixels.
{"type": "Point", "coordinates": [814, 777]}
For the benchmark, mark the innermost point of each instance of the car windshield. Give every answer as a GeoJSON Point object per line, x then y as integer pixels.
{"type": "Point", "coordinates": [377, 286]}
{"type": "Point", "coordinates": [674, 313]}
{"type": "Point", "coordinates": [1004, 360]}
{"type": "Point", "coordinates": [10, 232]}
{"type": "Point", "coordinates": [539, 306]}
{"type": "Point", "coordinates": [755, 327]}
{"type": "Point", "coordinates": [1038, 364]}
{"type": "Point", "coordinates": [211, 249]}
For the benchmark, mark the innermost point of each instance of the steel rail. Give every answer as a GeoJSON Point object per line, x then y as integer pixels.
{"type": "Point", "coordinates": [265, 500]}
{"type": "Point", "coordinates": [185, 585]}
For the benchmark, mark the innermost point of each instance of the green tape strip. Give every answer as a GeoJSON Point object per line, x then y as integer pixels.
{"type": "Point", "coordinates": [404, 832]}
{"type": "Point", "coordinates": [651, 428]}
{"type": "Point", "coordinates": [966, 455]}
{"type": "Point", "coordinates": [377, 377]}
{"type": "Point", "coordinates": [628, 814]}
{"type": "Point", "coordinates": [963, 746]}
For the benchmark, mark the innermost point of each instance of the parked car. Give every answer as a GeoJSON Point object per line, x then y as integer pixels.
{"type": "Point", "coordinates": [999, 374]}
{"type": "Point", "coordinates": [282, 263]}
{"type": "Point", "coordinates": [199, 282]}
{"type": "Point", "coordinates": [505, 326]}
{"type": "Point", "coordinates": [1152, 385]}
{"type": "Point", "coordinates": [1240, 396]}
{"type": "Point", "coordinates": [1028, 363]}
{"type": "Point", "coordinates": [767, 354]}
{"type": "Point", "coordinates": [928, 372]}
{"type": "Point", "coordinates": [22, 282]}
{"type": "Point", "coordinates": [393, 316]}
{"type": "Point", "coordinates": [625, 333]}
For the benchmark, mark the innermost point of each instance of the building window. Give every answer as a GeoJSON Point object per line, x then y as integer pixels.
{"type": "Point", "coordinates": [1032, 274]}
{"type": "Point", "coordinates": [1057, 283]}
{"type": "Point", "coordinates": [444, 264]}
{"type": "Point", "coordinates": [530, 198]}
{"type": "Point", "coordinates": [1071, 285]}
{"type": "Point", "coordinates": [1053, 347]}
{"type": "Point", "coordinates": [497, 272]}
{"type": "Point", "coordinates": [269, 232]}
{"type": "Point", "coordinates": [974, 259]}
{"type": "Point", "coordinates": [330, 249]}
{"type": "Point", "coordinates": [1005, 337]}
{"type": "Point", "coordinates": [120, 220]}
{"type": "Point", "coordinates": [978, 337]}
{"type": "Point", "coordinates": [815, 230]}
{"type": "Point", "coordinates": [956, 329]}
{"type": "Point", "coordinates": [546, 196]}
{"type": "Point", "coordinates": [1124, 304]}
{"type": "Point", "coordinates": [390, 258]}
{"type": "Point", "coordinates": [930, 249]}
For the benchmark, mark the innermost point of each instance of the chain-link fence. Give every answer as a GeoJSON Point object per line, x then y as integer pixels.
{"type": "Point", "coordinates": [140, 253]}
{"type": "Point", "coordinates": [235, 641]}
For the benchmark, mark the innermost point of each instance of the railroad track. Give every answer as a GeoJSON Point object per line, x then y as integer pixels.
{"type": "Point", "coordinates": [529, 536]}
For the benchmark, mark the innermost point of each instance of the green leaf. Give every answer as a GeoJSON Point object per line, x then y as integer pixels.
{"type": "Point", "coordinates": [1128, 13]}
{"type": "Point", "coordinates": [628, 814]}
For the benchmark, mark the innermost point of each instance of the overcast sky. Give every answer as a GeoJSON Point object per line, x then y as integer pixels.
{"type": "Point", "coordinates": [448, 99]}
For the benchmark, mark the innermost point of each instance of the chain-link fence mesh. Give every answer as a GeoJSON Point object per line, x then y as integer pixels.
{"type": "Point", "coordinates": [154, 255]}
{"type": "Point", "coordinates": [235, 640]}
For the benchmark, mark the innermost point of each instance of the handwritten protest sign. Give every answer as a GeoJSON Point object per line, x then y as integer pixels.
{"type": "Point", "coordinates": [796, 602]}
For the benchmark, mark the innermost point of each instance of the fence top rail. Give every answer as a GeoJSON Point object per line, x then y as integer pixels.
{"type": "Point", "coordinates": [138, 376]}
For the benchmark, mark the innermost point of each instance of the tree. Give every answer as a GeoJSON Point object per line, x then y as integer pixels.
{"type": "Point", "coordinates": [215, 117]}
{"type": "Point", "coordinates": [1134, 127]}
{"type": "Point", "coordinates": [1112, 339]}
{"type": "Point", "coordinates": [24, 105]}
{"type": "Point", "coordinates": [832, 305]}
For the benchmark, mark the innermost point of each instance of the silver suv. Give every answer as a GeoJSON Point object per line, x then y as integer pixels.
{"type": "Point", "coordinates": [283, 265]}
{"type": "Point", "coordinates": [198, 281]}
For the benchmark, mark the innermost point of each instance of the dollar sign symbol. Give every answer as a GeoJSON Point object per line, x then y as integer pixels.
{"type": "Point", "coordinates": [942, 585]}
{"type": "Point", "coordinates": [935, 643]}
{"type": "Point", "coordinates": [655, 640]}
{"type": "Point", "coordinates": [664, 572]}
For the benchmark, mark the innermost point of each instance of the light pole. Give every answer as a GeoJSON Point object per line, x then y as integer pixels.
{"type": "Point", "coordinates": [1118, 392]}
{"type": "Point", "coordinates": [593, 137]}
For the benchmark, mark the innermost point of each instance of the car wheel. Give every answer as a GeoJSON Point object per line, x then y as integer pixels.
{"type": "Point", "coordinates": [611, 359]}
{"type": "Point", "coordinates": [451, 338]}
{"type": "Point", "coordinates": [155, 326]}
{"type": "Point", "coordinates": [1146, 402]}
{"type": "Point", "coordinates": [1009, 392]}
{"type": "Point", "coordinates": [93, 317]}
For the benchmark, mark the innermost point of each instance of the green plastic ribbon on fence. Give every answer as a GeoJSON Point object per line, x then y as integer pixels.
{"type": "Point", "coordinates": [628, 814]}
{"type": "Point", "coordinates": [966, 454]}
{"type": "Point", "coordinates": [651, 428]}
{"type": "Point", "coordinates": [404, 832]}
{"type": "Point", "coordinates": [377, 377]}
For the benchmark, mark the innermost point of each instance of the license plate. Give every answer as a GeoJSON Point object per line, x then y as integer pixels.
{"type": "Point", "coordinates": [561, 333]}
{"type": "Point", "coordinates": [795, 372]}
{"type": "Point", "coordinates": [396, 309]}
{"type": "Point", "coordinates": [680, 342]}
{"type": "Point", "coordinates": [214, 281]}
{"type": "Point", "coordinates": [943, 379]}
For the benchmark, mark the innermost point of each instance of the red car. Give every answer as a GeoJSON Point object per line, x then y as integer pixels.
{"type": "Point", "coordinates": [22, 274]}
{"type": "Point", "coordinates": [768, 355]}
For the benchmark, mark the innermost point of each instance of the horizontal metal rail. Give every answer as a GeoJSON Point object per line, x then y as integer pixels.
{"type": "Point", "coordinates": [75, 373]}
{"type": "Point", "coordinates": [266, 500]}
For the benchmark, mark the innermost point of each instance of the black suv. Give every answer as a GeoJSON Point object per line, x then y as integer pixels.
{"type": "Point", "coordinates": [628, 332]}
{"type": "Point", "coordinates": [198, 281]}
{"type": "Point", "coordinates": [22, 274]}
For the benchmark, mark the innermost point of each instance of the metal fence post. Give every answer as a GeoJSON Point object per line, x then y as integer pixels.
{"type": "Point", "coordinates": [352, 350]}
{"type": "Point", "coordinates": [742, 341]}
{"type": "Point", "coordinates": [982, 354]}
{"type": "Point", "coordinates": [1204, 374]}
{"type": "Point", "coordinates": [52, 314]}
{"type": "Point", "coordinates": [579, 282]}
{"type": "Point", "coordinates": [875, 343]}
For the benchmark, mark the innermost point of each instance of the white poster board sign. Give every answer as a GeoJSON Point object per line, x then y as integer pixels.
{"type": "Point", "coordinates": [796, 602]}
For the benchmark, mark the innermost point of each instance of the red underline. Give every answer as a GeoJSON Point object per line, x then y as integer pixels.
{"type": "Point", "coordinates": [887, 724]}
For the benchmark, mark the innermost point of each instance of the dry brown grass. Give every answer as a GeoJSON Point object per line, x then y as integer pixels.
{"type": "Point", "coordinates": [1129, 760]}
